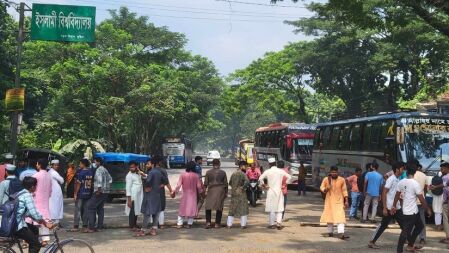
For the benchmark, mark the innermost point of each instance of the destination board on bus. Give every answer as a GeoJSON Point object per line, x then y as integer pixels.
{"type": "Point", "coordinates": [426, 125]}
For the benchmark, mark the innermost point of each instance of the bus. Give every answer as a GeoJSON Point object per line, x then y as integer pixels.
{"type": "Point", "coordinates": [177, 151]}
{"type": "Point", "coordinates": [245, 152]}
{"type": "Point", "coordinates": [117, 165]}
{"type": "Point", "coordinates": [384, 139]}
{"type": "Point", "coordinates": [288, 142]}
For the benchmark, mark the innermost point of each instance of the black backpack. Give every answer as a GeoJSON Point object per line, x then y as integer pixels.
{"type": "Point", "coordinates": [437, 180]}
{"type": "Point", "coordinates": [15, 185]}
{"type": "Point", "coordinates": [9, 211]}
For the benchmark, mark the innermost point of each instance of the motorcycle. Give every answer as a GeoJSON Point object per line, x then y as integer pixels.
{"type": "Point", "coordinates": [253, 192]}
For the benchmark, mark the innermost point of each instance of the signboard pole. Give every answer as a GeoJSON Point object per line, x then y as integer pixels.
{"type": "Point", "coordinates": [20, 39]}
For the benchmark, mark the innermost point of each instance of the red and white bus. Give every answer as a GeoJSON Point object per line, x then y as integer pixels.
{"type": "Point", "coordinates": [288, 142]}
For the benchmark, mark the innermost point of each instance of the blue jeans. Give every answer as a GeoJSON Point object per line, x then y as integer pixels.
{"type": "Point", "coordinates": [355, 201]}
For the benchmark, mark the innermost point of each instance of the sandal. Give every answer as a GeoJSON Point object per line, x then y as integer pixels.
{"type": "Point", "coordinates": [141, 233]}
{"type": "Point", "coordinates": [153, 232]}
{"type": "Point", "coordinates": [208, 226]}
{"type": "Point", "coordinates": [344, 237]}
{"type": "Point", "coordinates": [373, 246]}
{"type": "Point", "coordinates": [88, 231]}
{"type": "Point", "coordinates": [217, 226]}
{"type": "Point", "coordinates": [73, 230]}
{"type": "Point", "coordinates": [446, 241]}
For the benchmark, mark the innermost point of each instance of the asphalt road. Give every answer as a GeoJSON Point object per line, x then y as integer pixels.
{"type": "Point", "coordinates": [302, 232]}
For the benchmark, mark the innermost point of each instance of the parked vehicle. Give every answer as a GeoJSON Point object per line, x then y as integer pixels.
{"type": "Point", "coordinates": [245, 152]}
{"type": "Point", "coordinates": [177, 151]}
{"type": "Point", "coordinates": [211, 155]}
{"type": "Point", "coordinates": [118, 166]}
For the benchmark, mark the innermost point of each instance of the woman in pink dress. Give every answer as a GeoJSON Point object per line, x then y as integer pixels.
{"type": "Point", "coordinates": [42, 195]}
{"type": "Point", "coordinates": [191, 185]}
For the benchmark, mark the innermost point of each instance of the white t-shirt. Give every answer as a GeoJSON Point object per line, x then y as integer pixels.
{"type": "Point", "coordinates": [391, 185]}
{"type": "Point", "coordinates": [409, 189]}
{"type": "Point", "coordinates": [421, 178]}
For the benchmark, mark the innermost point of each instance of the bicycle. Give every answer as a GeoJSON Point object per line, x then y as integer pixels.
{"type": "Point", "coordinates": [70, 245]}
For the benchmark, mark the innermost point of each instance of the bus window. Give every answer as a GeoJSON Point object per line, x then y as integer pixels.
{"type": "Point", "coordinates": [366, 137]}
{"type": "Point", "coordinates": [375, 136]}
{"type": "Point", "coordinates": [345, 142]}
{"type": "Point", "coordinates": [335, 137]}
{"type": "Point", "coordinates": [317, 139]}
{"type": "Point", "coordinates": [326, 137]}
{"type": "Point", "coordinates": [356, 141]}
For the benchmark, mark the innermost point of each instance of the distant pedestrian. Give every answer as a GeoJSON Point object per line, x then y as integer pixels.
{"type": "Point", "coordinates": [134, 195]}
{"type": "Point", "coordinates": [302, 173]}
{"type": "Point", "coordinates": [191, 186]}
{"type": "Point", "coordinates": [281, 165]}
{"type": "Point", "coordinates": [21, 167]}
{"type": "Point", "coordinates": [361, 185]}
{"type": "Point", "coordinates": [8, 160]}
{"type": "Point", "coordinates": [408, 191]}
{"type": "Point", "coordinates": [275, 198]}
{"type": "Point", "coordinates": [29, 172]}
{"type": "Point", "coordinates": [445, 172]}
{"type": "Point", "coordinates": [388, 195]}
{"type": "Point", "coordinates": [373, 186]}
{"type": "Point", "coordinates": [56, 199]}
{"type": "Point", "coordinates": [199, 172]}
{"type": "Point", "coordinates": [239, 201]}
{"type": "Point", "coordinates": [70, 180]}
{"type": "Point", "coordinates": [216, 185]}
{"type": "Point", "coordinates": [336, 200]}
{"type": "Point", "coordinates": [355, 193]}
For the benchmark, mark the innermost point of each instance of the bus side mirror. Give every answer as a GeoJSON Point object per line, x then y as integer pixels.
{"type": "Point", "coordinates": [400, 135]}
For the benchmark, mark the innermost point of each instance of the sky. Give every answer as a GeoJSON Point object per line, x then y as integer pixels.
{"type": "Point", "coordinates": [230, 33]}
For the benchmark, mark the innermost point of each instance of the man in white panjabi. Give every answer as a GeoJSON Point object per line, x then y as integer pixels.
{"type": "Point", "coordinates": [56, 198]}
{"type": "Point", "coordinates": [275, 198]}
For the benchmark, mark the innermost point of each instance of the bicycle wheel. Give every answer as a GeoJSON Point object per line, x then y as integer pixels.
{"type": "Point", "coordinates": [74, 246]}
{"type": "Point", "coordinates": [4, 249]}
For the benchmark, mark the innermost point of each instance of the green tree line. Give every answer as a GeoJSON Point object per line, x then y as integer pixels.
{"type": "Point", "coordinates": [138, 83]}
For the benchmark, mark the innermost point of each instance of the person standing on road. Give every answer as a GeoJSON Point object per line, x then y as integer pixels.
{"type": "Point", "coordinates": [373, 186]}
{"type": "Point", "coordinates": [335, 202]}
{"type": "Point", "coordinates": [388, 194]}
{"type": "Point", "coordinates": [302, 173]}
{"type": "Point", "coordinates": [82, 194]}
{"type": "Point", "coordinates": [445, 171]}
{"type": "Point", "coordinates": [281, 165]}
{"type": "Point", "coordinates": [191, 186]}
{"type": "Point", "coordinates": [21, 167]}
{"type": "Point", "coordinates": [199, 172]}
{"type": "Point", "coordinates": [6, 189]}
{"type": "Point", "coordinates": [435, 184]}
{"type": "Point", "coordinates": [70, 180]}
{"type": "Point", "coordinates": [42, 195]}
{"type": "Point", "coordinates": [216, 185]}
{"type": "Point", "coordinates": [421, 178]}
{"type": "Point", "coordinates": [166, 183]}
{"type": "Point", "coordinates": [134, 195]}
{"type": "Point", "coordinates": [355, 193]}
{"type": "Point", "coordinates": [102, 186]}
{"type": "Point", "coordinates": [56, 199]}
{"type": "Point", "coordinates": [409, 190]}
{"type": "Point", "coordinates": [275, 197]}
{"type": "Point", "coordinates": [151, 206]}
{"type": "Point", "coordinates": [239, 201]}
{"type": "Point", "coordinates": [361, 186]}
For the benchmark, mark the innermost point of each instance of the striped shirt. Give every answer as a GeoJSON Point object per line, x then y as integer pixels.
{"type": "Point", "coordinates": [25, 209]}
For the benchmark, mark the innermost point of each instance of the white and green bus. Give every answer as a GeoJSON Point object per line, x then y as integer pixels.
{"type": "Point", "coordinates": [384, 138]}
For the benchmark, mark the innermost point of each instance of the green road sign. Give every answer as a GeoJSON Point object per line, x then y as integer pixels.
{"type": "Point", "coordinates": [63, 23]}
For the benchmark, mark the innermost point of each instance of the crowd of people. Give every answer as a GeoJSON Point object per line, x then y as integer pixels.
{"type": "Point", "coordinates": [403, 194]}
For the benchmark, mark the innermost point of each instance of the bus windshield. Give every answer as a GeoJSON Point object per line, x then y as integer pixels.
{"type": "Point", "coordinates": [173, 149]}
{"type": "Point", "coordinates": [428, 148]}
{"type": "Point", "coordinates": [301, 149]}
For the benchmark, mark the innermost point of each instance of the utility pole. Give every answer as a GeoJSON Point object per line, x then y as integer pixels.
{"type": "Point", "coordinates": [16, 117]}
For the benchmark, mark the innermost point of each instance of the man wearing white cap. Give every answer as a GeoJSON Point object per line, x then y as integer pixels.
{"type": "Point", "coordinates": [10, 185]}
{"type": "Point", "coordinates": [56, 198]}
{"type": "Point", "coordinates": [8, 160]}
{"type": "Point", "coordinates": [275, 198]}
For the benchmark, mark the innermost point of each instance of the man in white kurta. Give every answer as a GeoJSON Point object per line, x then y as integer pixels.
{"type": "Point", "coordinates": [134, 194]}
{"type": "Point", "coordinates": [56, 198]}
{"type": "Point", "coordinates": [275, 198]}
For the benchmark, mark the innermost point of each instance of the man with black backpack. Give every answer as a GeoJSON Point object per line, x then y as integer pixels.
{"type": "Point", "coordinates": [10, 185]}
